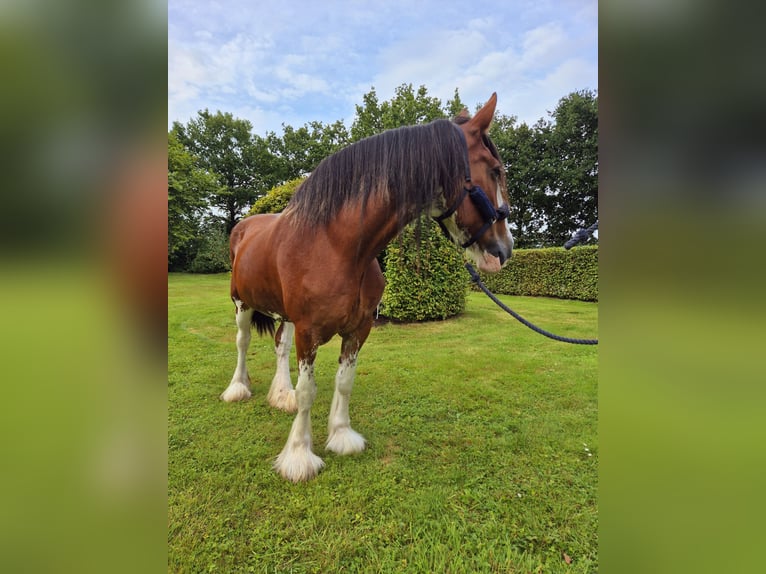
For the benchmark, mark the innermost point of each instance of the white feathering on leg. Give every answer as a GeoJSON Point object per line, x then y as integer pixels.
{"type": "Point", "coordinates": [281, 393]}
{"type": "Point", "coordinates": [297, 462]}
{"type": "Point", "coordinates": [236, 391]}
{"type": "Point", "coordinates": [342, 439]}
{"type": "Point", "coordinates": [239, 387]}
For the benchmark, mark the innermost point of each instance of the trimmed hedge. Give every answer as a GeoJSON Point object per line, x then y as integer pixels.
{"type": "Point", "coordinates": [549, 272]}
{"type": "Point", "coordinates": [426, 281]}
{"type": "Point", "coordinates": [276, 199]}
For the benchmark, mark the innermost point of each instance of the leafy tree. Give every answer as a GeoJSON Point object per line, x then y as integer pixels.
{"type": "Point", "coordinates": [552, 171]}
{"type": "Point", "coordinates": [523, 151]}
{"type": "Point", "coordinates": [213, 253]}
{"type": "Point", "coordinates": [455, 105]}
{"type": "Point", "coordinates": [217, 169]}
{"type": "Point", "coordinates": [406, 108]}
{"type": "Point", "coordinates": [188, 189]}
{"type": "Point", "coordinates": [299, 151]}
{"type": "Point", "coordinates": [369, 117]}
{"type": "Point", "coordinates": [572, 197]}
{"type": "Point", "coordinates": [224, 145]}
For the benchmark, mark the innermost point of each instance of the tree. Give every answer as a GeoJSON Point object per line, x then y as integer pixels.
{"type": "Point", "coordinates": [217, 169]}
{"type": "Point", "coordinates": [188, 189]}
{"type": "Point", "coordinates": [224, 145]}
{"type": "Point", "coordinates": [299, 151]}
{"type": "Point", "coordinates": [455, 105]}
{"type": "Point", "coordinates": [212, 255]}
{"type": "Point", "coordinates": [523, 151]}
{"type": "Point", "coordinates": [406, 108]}
{"type": "Point", "coordinates": [572, 195]}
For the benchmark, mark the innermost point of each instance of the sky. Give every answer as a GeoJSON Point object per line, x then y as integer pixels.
{"type": "Point", "coordinates": [294, 61]}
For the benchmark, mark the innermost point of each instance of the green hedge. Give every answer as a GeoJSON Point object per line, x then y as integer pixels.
{"type": "Point", "coordinates": [276, 199]}
{"type": "Point", "coordinates": [549, 272]}
{"type": "Point", "coordinates": [424, 282]}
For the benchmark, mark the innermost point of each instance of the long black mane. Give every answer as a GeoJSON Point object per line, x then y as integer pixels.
{"type": "Point", "coordinates": [412, 166]}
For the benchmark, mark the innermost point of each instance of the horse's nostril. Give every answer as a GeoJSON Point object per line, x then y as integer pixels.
{"type": "Point", "coordinates": [499, 252]}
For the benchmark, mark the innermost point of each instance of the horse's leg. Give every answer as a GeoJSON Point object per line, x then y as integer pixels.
{"type": "Point", "coordinates": [341, 438]}
{"type": "Point", "coordinates": [297, 462]}
{"type": "Point", "coordinates": [281, 393]}
{"type": "Point", "coordinates": [239, 387]}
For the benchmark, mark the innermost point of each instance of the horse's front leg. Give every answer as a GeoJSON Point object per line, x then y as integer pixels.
{"type": "Point", "coordinates": [281, 393]}
{"type": "Point", "coordinates": [297, 462]}
{"type": "Point", "coordinates": [342, 439]}
{"type": "Point", "coordinates": [239, 387]}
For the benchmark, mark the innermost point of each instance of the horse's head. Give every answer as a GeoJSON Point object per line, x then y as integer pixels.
{"type": "Point", "coordinates": [480, 225]}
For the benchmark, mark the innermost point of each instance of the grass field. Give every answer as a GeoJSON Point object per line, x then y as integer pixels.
{"type": "Point", "coordinates": [482, 447]}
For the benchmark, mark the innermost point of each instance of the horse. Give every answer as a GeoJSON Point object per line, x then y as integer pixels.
{"type": "Point", "coordinates": [313, 267]}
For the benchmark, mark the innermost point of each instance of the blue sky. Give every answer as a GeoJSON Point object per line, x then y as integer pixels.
{"type": "Point", "coordinates": [273, 62]}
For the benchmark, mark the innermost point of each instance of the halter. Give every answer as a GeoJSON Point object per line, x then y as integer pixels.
{"type": "Point", "coordinates": [481, 202]}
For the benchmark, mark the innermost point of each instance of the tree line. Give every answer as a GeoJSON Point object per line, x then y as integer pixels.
{"type": "Point", "coordinates": [217, 167]}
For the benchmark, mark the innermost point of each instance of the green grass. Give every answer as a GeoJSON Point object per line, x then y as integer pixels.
{"type": "Point", "coordinates": [482, 447]}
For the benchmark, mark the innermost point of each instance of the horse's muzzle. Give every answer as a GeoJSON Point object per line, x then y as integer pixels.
{"type": "Point", "coordinates": [501, 251]}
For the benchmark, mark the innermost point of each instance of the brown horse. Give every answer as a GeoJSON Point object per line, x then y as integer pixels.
{"type": "Point", "coordinates": [314, 266]}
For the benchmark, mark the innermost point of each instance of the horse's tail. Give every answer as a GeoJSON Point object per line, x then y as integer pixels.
{"type": "Point", "coordinates": [263, 323]}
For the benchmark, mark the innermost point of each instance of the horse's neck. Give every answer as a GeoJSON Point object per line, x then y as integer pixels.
{"type": "Point", "coordinates": [363, 238]}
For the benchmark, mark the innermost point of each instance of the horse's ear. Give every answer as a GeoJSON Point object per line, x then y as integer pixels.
{"type": "Point", "coordinates": [464, 114]}
{"type": "Point", "coordinates": [483, 117]}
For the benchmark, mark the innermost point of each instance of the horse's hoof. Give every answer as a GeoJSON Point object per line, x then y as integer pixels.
{"type": "Point", "coordinates": [345, 440]}
{"type": "Point", "coordinates": [285, 401]}
{"type": "Point", "coordinates": [236, 391]}
{"type": "Point", "coordinates": [298, 464]}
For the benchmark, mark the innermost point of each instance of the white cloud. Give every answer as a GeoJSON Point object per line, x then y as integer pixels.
{"type": "Point", "coordinates": [293, 62]}
{"type": "Point", "coordinates": [530, 75]}
{"type": "Point", "coordinates": [544, 46]}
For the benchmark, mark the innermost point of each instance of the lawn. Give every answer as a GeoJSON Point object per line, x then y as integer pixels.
{"type": "Point", "coordinates": [482, 447]}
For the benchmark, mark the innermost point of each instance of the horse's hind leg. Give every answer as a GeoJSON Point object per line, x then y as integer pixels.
{"type": "Point", "coordinates": [281, 393]}
{"type": "Point", "coordinates": [341, 438]}
{"type": "Point", "coordinates": [239, 387]}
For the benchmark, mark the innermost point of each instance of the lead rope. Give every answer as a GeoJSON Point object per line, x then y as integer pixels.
{"type": "Point", "coordinates": [581, 235]}
{"type": "Point", "coordinates": [476, 279]}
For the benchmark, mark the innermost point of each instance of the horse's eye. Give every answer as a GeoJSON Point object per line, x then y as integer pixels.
{"type": "Point", "coordinates": [496, 173]}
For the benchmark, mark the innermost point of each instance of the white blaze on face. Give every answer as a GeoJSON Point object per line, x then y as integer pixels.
{"type": "Point", "coordinates": [499, 203]}
{"type": "Point", "coordinates": [486, 262]}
